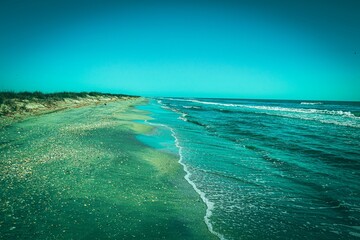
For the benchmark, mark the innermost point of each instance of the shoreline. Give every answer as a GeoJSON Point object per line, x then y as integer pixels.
{"type": "Point", "coordinates": [160, 124]}
{"type": "Point", "coordinates": [209, 205]}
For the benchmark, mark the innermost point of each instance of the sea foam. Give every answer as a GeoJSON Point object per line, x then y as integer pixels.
{"type": "Point", "coordinates": [311, 103]}
{"type": "Point", "coordinates": [347, 118]}
{"type": "Point", "coordinates": [254, 189]}
{"type": "Point", "coordinates": [209, 204]}
{"type": "Point", "coordinates": [280, 109]}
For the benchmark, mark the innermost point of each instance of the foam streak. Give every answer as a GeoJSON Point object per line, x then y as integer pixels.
{"type": "Point", "coordinates": [208, 203]}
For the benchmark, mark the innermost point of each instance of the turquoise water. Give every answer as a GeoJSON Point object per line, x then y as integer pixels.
{"type": "Point", "coordinates": [267, 169]}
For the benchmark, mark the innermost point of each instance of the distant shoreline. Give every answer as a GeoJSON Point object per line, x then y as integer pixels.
{"type": "Point", "coordinates": [16, 105]}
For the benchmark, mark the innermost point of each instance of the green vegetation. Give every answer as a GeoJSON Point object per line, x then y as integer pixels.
{"type": "Point", "coordinates": [29, 102]}
{"type": "Point", "coordinates": [4, 96]}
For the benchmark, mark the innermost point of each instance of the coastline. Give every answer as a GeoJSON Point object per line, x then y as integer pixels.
{"type": "Point", "coordinates": [209, 205]}
{"type": "Point", "coordinates": [82, 172]}
{"type": "Point", "coordinates": [166, 135]}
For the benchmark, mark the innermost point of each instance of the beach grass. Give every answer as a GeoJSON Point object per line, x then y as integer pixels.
{"type": "Point", "coordinates": [19, 104]}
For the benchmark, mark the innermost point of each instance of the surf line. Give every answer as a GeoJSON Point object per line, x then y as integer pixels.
{"type": "Point", "coordinates": [208, 203]}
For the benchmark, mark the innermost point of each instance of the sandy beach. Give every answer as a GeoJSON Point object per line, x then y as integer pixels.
{"type": "Point", "coordinates": [81, 173]}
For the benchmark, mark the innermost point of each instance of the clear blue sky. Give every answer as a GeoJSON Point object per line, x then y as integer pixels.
{"type": "Point", "coordinates": [238, 49]}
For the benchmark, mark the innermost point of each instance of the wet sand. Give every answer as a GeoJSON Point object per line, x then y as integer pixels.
{"type": "Point", "coordinates": [82, 174]}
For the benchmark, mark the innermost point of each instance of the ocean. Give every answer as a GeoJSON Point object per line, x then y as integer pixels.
{"type": "Point", "coordinates": [266, 169]}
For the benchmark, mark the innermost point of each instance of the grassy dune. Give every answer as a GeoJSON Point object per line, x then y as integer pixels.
{"type": "Point", "coordinates": [15, 104]}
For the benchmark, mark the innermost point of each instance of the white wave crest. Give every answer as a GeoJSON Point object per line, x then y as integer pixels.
{"type": "Point", "coordinates": [311, 103]}
{"type": "Point", "coordinates": [281, 109]}
{"type": "Point", "coordinates": [191, 107]}
{"type": "Point", "coordinates": [183, 117]}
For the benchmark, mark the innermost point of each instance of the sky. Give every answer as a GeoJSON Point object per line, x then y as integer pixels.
{"type": "Point", "coordinates": [261, 49]}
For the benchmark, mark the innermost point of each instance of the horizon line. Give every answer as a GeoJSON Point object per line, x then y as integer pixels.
{"type": "Point", "coordinates": [182, 97]}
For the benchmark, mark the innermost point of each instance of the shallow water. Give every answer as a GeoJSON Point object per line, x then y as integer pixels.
{"type": "Point", "coordinates": [267, 169]}
{"type": "Point", "coordinates": [82, 174]}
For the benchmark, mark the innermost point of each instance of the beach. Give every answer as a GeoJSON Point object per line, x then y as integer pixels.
{"type": "Point", "coordinates": [81, 173]}
{"type": "Point", "coordinates": [166, 168]}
